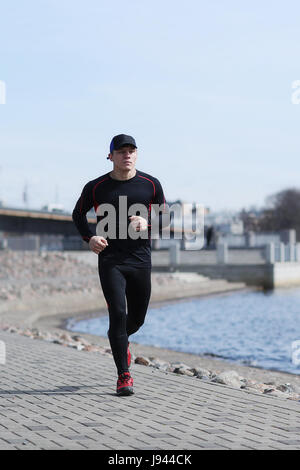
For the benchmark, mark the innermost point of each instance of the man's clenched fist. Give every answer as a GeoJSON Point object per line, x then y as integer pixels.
{"type": "Point", "coordinates": [138, 223]}
{"type": "Point", "coordinates": [97, 244]}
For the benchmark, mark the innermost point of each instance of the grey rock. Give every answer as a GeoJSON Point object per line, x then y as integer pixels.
{"type": "Point", "coordinates": [230, 378]}
{"type": "Point", "coordinates": [58, 341]}
{"type": "Point", "coordinates": [200, 373]}
{"type": "Point", "coordinates": [81, 340]}
{"type": "Point", "coordinates": [159, 364]}
{"type": "Point", "coordinates": [287, 388]}
{"type": "Point", "coordinates": [275, 393]}
{"type": "Point", "coordinates": [203, 377]}
{"type": "Point", "coordinates": [180, 365]}
{"type": "Point", "coordinates": [183, 371]}
{"type": "Point", "coordinates": [77, 346]}
{"type": "Point", "coordinates": [244, 382]}
{"type": "Point", "coordinates": [269, 390]}
{"type": "Point", "coordinates": [66, 337]}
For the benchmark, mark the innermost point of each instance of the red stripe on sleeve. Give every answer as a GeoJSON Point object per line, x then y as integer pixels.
{"type": "Point", "coordinates": [94, 189]}
{"type": "Point", "coordinates": [150, 182]}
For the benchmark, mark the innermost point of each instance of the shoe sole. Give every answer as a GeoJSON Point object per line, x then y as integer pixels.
{"type": "Point", "coordinates": [126, 391]}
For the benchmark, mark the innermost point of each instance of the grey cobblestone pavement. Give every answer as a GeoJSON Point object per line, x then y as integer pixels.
{"type": "Point", "coordinates": [53, 397]}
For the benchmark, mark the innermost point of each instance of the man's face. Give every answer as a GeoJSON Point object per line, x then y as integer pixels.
{"type": "Point", "coordinates": [124, 158]}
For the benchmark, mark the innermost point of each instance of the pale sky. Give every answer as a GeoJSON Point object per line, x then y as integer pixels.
{"type": "Point", "coordinates": [204, 87]}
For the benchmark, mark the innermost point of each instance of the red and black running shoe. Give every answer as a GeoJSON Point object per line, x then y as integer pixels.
{"type": "Point", "coordinates": [128, 356]}
{"type": "Point", "coordinates": [125, 384]}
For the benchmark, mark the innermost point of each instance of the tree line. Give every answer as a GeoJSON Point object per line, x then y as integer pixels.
{"type": "Point", "coordinates": [281, 211]}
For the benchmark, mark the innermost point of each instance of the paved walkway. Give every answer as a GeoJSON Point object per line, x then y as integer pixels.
{"type": "Point", "coordinates": [53, 397]}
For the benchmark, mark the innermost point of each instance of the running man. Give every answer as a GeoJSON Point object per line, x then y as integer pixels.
{"type": "Point", "coordinates": [124, 256]}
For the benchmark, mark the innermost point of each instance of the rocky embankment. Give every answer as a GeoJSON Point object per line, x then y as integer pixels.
{"type": "Point", "coordinates": [26, 275]}
{"type": "Point", "coordinates": [228, 377]}
{"type": "Point", "coordinates": [34, 285]}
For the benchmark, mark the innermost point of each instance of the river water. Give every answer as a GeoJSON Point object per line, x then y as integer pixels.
{"type": "Point", "coordinates": [247, 327]}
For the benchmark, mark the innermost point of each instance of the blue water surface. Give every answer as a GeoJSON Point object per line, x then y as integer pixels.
{"type": "Point", "coordinates": [248, 327]}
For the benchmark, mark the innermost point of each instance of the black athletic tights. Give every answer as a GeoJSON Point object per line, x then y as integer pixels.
{"type": "Point", "coordinates": [120, 283]}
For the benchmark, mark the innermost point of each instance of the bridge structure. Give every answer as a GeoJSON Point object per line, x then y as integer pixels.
{"type": "Point", "coordinates": [23, 222]}
{"type": "Point", "coordinates": [29, 221]}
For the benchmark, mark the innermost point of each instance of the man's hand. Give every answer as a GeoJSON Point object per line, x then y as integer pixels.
{"type": "Point", "coordinates": [138, 223]}
{"type": "Point", "coordinates": [97, 244]}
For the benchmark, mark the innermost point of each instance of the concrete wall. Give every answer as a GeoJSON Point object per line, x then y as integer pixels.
{"type": "Point", "coordinates": [286, 274]}
{"type": "Point", "coordinates": [235, 256]}
{"type": "Point", "coordinates": [253, 275]}
{"type": "Point", "coordinates": [31, 243]}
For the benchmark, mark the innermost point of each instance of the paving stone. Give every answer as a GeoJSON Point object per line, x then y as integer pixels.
{"type": "Point", "coordinates": [60, 402]}
{"type": "Point", "coordinates": [38, 428]}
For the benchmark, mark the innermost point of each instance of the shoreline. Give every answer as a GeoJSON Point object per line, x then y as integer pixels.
{"type": "Point", "coordinates": [86, 315]}
{"type": "Point", "coordinates": [54, 320]}
{"type": "Point", "coordinates": [58, 324]}
{"type": "Point", "coordinates": [45, 291]}
{"type": "Point", "coordinates": [59, 320]}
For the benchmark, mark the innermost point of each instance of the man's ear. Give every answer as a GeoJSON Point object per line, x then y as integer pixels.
{"type": "Point", "coordinates": [109, 157]}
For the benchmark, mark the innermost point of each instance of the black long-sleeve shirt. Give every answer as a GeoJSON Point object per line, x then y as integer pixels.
{"type": "Point", "coordinates": [141, 189]}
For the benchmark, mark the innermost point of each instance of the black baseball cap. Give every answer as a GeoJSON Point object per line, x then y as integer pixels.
{"type": "Point", "coordinates": [119, 140]}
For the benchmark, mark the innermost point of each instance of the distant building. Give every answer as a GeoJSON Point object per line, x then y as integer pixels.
{"type": "Point", "coordinates": [57, 208]}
